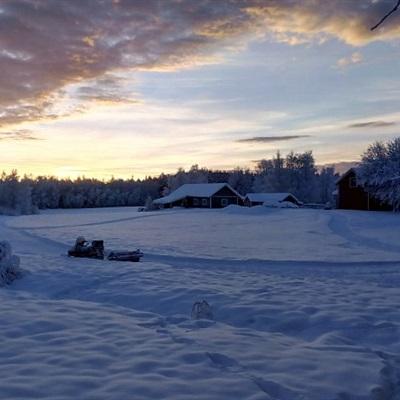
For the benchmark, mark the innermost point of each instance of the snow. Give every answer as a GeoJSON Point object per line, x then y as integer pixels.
{"type": "Point", "coordinates": [304, 304]}
{"type": "Point", "coordinates": [193, 190]}
{"type": "Point", "coordinates": [272, 198]}
{"type": "Point", "coordinates": [281, 204]}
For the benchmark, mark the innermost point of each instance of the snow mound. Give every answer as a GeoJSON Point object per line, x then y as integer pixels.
{"type": "Point", "coordinates": [242, 210]}
{"type": "Point", "coordinates": [9, 264]}
{"type": "Point", "coordinates": [281, 204]}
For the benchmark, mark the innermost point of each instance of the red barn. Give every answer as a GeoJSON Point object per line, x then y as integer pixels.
{"type": "Point", "coordinates": [351, 195]}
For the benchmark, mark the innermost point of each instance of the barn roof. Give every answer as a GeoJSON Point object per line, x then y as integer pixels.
{"type": "Point", "coordinates": [347, 173]}
{"type": "Point", "coordinates": [194, 190]}
{"type": "Point", "coordinates": [270, 197]}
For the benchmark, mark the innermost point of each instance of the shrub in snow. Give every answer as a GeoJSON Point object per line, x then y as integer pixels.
{"type": "Point", "coordinates": [202, 310]}
{"type": "Point", "coordinates": [149, 206]}
{"type": "Point", "coordinates": [9, 264]}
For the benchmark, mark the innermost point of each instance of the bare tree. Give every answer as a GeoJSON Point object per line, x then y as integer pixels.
{"type": "Point", "coordinates": [387, 15]}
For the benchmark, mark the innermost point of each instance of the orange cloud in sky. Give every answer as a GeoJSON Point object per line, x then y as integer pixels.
{"type": "Point", "coordinates": [50, 44]}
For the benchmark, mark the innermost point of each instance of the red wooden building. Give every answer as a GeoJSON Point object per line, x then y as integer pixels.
{"type": "Point", "coordinates": [350, 194]}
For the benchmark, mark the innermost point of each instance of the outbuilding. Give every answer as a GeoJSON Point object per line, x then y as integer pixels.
{"type": "Point", "coordinates": [201, 195]}
{"type": "Point", "coordinates": [258, 199]}
{"type": "Point", "coordinates": [350, 194]}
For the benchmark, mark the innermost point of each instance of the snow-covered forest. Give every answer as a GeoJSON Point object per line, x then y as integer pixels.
{"type": "Point", "coordinates": [296, 173]}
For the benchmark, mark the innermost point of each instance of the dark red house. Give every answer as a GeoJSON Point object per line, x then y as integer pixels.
{"type": "Point", "coordinates": [201, 195]}
{"type": "Point", "coordinates": [351, 195]}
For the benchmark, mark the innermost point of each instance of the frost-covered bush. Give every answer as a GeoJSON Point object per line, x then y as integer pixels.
{"type": "Point", "coordinates": [9, 264]}
{"type": "Point", "coordinates": [379, 171]}
{"type": "Point", "coordinates": [149, 206]}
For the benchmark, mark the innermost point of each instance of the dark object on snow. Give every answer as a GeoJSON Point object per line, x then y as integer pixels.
{"type": "Point", "coordinates": [133, 256]}
{"type": "Point", "coordinates": [82, 248]}
{"type": "Point", "coordinates": [202, 310]}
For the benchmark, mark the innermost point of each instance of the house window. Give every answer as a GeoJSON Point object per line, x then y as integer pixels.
{"type": "Point", "coordinates": [195, 202]}
{"type": "Point", "coordinates": [224, 202]}
{"type": "Point", "coordinates": [204, 202]}
{"type": "Point", "coordinates": [352, 182]}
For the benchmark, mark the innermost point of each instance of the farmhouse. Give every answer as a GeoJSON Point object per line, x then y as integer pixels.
{"type": "Point", "coordinates": [257, 199]}
{"type": "Point", "coordinates": [351, 195]}
{"type": "Point", "coordinates": [201, 195]}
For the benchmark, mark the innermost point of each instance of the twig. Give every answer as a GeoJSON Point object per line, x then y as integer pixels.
{"type": "Point", "coordinates": [387, 15]}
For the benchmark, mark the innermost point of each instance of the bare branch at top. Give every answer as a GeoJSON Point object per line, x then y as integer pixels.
{"type": "Point", "coordinates": [387, 15]}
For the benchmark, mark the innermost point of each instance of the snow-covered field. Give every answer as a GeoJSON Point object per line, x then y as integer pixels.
{"type": "Point", "coordinates": [306, 306]}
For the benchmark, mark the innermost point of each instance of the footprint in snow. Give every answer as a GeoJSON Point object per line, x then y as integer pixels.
{"type": "Point", "coordinates": [275, 390]}
{"type": "Point", "coordinates": [224, 362]}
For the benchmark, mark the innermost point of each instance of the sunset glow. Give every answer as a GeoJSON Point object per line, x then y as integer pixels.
{"type": "Point", "coordinates": [135, 88]}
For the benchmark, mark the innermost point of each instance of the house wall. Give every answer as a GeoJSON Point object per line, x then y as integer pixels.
{"type": "Point", "coordinates": [191, 202]}
{"type": "Point", "coordinates": [225, 197]}
{"type": "Point", "coordinates": [249, 203]}
{"type": "Point", "coordinates": [198, 202]}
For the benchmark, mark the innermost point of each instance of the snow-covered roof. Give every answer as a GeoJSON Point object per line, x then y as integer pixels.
{"type": "Point", "coordinates": [348, 172]}
{"type": "Point", "coordinates": [270, 197]}
{"type": "Point", "coordinates": [194, 190]}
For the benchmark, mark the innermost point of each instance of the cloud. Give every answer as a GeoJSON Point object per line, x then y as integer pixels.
{"type": "Point", "coordinates": [48, 45]}
{"type": "Point", "coordinates": [106, 89]}
{"type": "Point", "coordinates": [372, 124]}
{"type": "Point", "coordinates": [270, 139]}
{"type": "Point", "coordinates": [355, 58]}
{"type": "Point", "coordinates": [20, 134]}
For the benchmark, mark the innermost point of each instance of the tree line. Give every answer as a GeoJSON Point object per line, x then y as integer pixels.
{"type": "Point", "coordinates": [295, 173]}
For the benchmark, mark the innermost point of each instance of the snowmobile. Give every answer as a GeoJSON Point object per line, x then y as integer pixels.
{"type": "Point", "coordinates": [83, 248]}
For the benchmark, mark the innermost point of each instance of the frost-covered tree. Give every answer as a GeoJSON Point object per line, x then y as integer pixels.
{"type": "Point", "coordinates": [326, 184]}
{"type": "Point", "coordinates": [379, 171]}
{"type": "Point", "coordinates": [194, 175]}
{"type": "Point", "coordinates": [296, 173]}
{"type": "Point", "coordinates": [241, 180]}
{"type": "Point", "coordinates": [15, 194]}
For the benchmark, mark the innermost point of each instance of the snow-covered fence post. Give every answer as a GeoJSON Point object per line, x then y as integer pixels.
{"type": "Point", "coordinates": [9, 264]}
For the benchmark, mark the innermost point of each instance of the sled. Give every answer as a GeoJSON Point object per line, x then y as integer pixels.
{"type": "Point", "coordinates": [133, 256]}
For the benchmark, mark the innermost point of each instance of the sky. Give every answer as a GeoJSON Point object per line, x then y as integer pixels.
{"type": "Point", "coordinates": [123, 88]}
